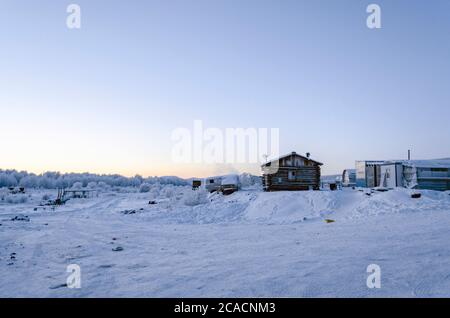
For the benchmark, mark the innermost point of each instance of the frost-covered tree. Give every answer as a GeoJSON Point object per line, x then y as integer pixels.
{"type": "Point", "coordinates": [53, 180]}
{"type": "Point", "coordinates": [145, 187]}
{"type": "Point", "coordinates": [30, 181]}
{"type": "Point", "coordinates": [7, 180]}
{"type": "Point", "coordinates": [77, 185]}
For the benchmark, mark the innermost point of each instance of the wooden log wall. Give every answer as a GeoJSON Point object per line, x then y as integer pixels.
{"type": "Point", "coordinates": [305, 178]}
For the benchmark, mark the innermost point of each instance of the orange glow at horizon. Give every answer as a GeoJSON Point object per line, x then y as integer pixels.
{"type": "Point", "coordinates": [150, 170]}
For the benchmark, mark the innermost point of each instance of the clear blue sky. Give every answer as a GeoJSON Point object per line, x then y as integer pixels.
{"type": "Point", "coordinates": [106, 98]}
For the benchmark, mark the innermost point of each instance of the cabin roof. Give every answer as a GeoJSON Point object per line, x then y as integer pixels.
{"type": "Point", "coordinates": [291, 154]}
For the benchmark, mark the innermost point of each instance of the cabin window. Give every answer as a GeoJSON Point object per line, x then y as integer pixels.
{"type": "Point", "coordinates": [291, 175]}
{"type": "Point", "coordinates": [211, 181]}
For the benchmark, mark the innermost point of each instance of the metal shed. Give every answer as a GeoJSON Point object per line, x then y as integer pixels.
{"type": "Point", "coordinates": [367, 173]}
{"type": "Point", "coordinates": [415, 174]}
{"type": "Point", "coordinates": [427, 174]}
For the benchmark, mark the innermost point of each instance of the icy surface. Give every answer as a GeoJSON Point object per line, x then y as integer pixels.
{"type": "Point", "coordinates": [250, 243]}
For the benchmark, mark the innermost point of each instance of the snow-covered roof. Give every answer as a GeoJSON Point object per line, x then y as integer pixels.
{"type": "Point", "coordinates": [225, 179]}
{"type": "Point", "coordinates": [433, 163]}
{"type": "Point", "coordinates": [230, 179]}
{"type": "Point", "coordinates": [426, 163]}
{"type": "Point", "coordinates": [214, 178]}
{"type": "Point", "coordinates": [373, 161]}
{"type": "Point", "coordinates": [292, 154]}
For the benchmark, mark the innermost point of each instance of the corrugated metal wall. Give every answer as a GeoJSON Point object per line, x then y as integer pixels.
{"type": "Point", "coordinates": [433, 178]}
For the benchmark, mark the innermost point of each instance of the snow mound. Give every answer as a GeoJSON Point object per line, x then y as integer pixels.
{"type": "Point", "coordinates": [253, 206]}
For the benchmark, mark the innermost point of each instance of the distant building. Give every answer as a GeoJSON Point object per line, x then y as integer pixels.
{"type": "Point", "coordinates": [196, 184]}
{"type": "Point", "coordinates": [213, 183]}
{"type": "Point", "coordinates": [291, 172]}
{"type": "Point", "coordinates": [390, 174]}
{"type": "Point", "coordinates": [367, 172]}
{"type": "Point", "coordinates": [414, 174]}
{"type": "Point", "coordinates": [226, 184]}
{"type": "Point", "coordinates": [427, 174]}
{"type": "Point", "coordinates": [230, 184]}
{"type": "Point", "coordinates": [349, 178]}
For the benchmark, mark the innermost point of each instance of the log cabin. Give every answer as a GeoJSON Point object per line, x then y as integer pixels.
{"type": "Point", "coordinates": [291, 172]}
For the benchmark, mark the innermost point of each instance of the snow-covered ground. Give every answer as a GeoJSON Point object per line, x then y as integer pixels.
{"type": "Point", "coordinates": [251, 243]}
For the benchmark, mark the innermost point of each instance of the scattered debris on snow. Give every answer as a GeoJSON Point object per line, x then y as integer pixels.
{"type": "Point", "coordinates": [24, 218]}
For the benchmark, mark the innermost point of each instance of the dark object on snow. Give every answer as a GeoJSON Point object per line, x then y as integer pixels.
{"type": "Point", "coordinates": [117, 249]}
{"type": "Point", "coordinates": [196, 184]}
{"type": "Point", "coordinates": [329, 221]}
{"type": "Point", "coordinates": [58, 286]}
{"type": "Point", "coordinates": [129, 212]}
{"type": "Point", "coordinates": [17, 190]}
{"type": "Point", "coordinates": [60, 200]}
{"type": "Point", "coordinates": [151, 202]}
{"type": "Point", "coordinates": [21, 218]}
{"type": "Point", "coordinates": [382, 189]}
{"type": "Point", "coordinates": [416, 195]}
{"type": "Point", "coordinates": [78, 194]}
{"type": "Point", "coordinates": [333, 186]}
{"type": "Point", "coordinates": [228, 190]}
{"type": "Point", "coordinates": [368, 194]}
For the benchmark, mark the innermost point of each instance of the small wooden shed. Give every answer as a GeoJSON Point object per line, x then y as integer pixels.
{"type": "Point", "coordinates": [291, 172]}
